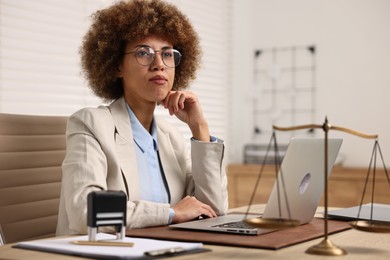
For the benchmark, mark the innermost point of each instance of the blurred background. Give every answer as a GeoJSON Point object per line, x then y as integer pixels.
{"type": "Point", "coordinates": [265, 62]}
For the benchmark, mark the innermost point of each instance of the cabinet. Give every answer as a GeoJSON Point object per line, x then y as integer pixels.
{"type": "Point", "coordinates": [345, 185]}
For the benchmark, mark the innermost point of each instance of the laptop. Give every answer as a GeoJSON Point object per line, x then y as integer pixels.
{"type": "Point", "coordinates": [302, 176]}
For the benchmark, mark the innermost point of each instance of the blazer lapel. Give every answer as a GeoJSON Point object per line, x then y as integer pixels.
{"type": "Point", "coordinates": [170, 166]}
{"type": "Point", "coordinates": [125, 147]}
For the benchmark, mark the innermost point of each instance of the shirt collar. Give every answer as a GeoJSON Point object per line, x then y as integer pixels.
{"type": "Point", "coordinates": [141, 136]}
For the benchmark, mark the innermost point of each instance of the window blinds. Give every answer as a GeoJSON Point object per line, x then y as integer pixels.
{"type": "Point", "coordinates": [212, 21]}
{"type": "Point", "coordinates": [39, 59]}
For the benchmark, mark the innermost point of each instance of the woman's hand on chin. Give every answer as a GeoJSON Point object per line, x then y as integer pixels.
{"type": "Point", "coordinates": [185, 106]}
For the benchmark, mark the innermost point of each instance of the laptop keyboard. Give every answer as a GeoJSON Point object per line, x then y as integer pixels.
{"type": "Point", "coordinates": [235, 224]}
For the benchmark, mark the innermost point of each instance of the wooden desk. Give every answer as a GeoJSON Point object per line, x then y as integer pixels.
{"type": "Point", "coordinates": [359, 245]}
{"type": "Point", "coordinates": [345, 185]}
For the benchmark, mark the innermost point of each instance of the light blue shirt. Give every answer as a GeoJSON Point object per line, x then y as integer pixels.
{"type": "Point", "coordinates": [153, 185]}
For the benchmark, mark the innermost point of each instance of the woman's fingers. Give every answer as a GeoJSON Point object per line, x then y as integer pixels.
{"type": "Point", "coordinates": [175, 101]}
{"type": "Point", "coordinates": [189, 208]}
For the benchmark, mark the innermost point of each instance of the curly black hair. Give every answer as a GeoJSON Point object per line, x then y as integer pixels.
{"type": "Point", "coordinates": [132, 21]}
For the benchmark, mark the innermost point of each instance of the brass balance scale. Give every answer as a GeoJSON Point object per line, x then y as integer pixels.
{"type": "Point", "coordinates": [325, 247]}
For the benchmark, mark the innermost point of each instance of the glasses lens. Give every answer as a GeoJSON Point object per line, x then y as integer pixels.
{"type": "Point", "coordinates": [144, 56]}
{"type": "Point", "coordinates": [171, 57]}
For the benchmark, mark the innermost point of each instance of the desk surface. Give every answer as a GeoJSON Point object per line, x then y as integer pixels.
{"type": "Point", "coordinates": [359, 245]}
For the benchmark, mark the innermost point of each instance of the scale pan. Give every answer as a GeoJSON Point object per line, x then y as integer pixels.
{"type": "Point", "coordinates": [273, 223]}
{"type": "Point", "coordinates": [371, 226]}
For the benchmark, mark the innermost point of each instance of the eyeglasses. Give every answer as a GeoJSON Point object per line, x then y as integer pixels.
{"type": "Point", "coordinates": [146, 55]}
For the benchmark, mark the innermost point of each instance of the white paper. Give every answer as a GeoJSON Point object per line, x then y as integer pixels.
{"type": "Point", "coordinates": [141, 245]}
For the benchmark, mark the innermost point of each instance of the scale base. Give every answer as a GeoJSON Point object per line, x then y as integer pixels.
{"type": "Point", "coordinates": [326, 247]}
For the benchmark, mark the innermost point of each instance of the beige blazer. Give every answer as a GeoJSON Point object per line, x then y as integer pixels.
{"type": "Point", "coordinates": [101, 156]}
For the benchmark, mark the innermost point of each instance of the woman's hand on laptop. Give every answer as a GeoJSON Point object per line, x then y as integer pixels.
{"type": "Point", "coordinates": [190, 208]}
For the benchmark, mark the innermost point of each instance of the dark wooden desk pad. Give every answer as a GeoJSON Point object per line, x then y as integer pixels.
{"type": "Point", "coordinates": [275, 240]}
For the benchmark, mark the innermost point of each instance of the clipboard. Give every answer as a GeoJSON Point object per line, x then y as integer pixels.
{"type": "Point", "coordinates": [141, 248]}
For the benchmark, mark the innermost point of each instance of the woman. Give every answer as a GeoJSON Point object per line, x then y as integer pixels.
{"type": "Point", "coordinates": [140, 54]}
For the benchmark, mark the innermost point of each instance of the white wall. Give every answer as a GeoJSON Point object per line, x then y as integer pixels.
{"type": "Point", "coordinates": [353, 64]}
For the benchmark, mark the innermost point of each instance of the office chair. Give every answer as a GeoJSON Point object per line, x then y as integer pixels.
{"type": "Point", "coordinates": [32, 149]}
{"type": "Point", "coordinates": [2, 242]}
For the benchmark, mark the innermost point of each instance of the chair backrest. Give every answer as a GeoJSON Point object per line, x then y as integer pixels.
{"type": "Point", "coordinates": [2, 241]}
{"type": "Point", "coordinates": [32, 149]}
